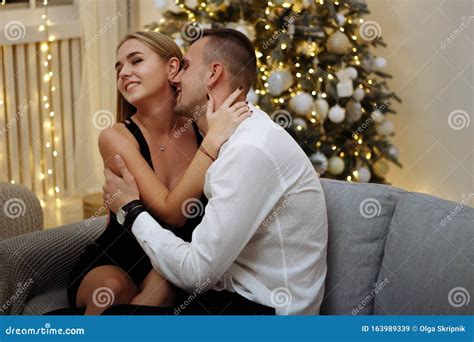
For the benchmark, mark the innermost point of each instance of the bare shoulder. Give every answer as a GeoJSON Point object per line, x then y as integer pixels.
{"type": "Point", "coordinates": [117, 135]}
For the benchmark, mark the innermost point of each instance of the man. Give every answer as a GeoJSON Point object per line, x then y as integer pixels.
{"type": "Point", "coordinates": [264, 232]}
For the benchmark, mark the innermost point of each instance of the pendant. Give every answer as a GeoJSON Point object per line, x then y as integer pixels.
{"type": "Point", "coordinates": [162, 147]}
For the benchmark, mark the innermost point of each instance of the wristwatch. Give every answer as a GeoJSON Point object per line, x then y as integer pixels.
{"type": "Point", "coordinates": [123, 211]}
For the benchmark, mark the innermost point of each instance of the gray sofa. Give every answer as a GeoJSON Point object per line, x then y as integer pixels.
{"type": "Point", "coordinates": [390, 252]}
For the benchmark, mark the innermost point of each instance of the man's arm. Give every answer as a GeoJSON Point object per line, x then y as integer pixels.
{"type": "Point", "coordinates": [245, 186]}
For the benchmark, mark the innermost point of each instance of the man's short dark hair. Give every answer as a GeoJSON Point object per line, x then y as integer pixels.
{"type": "Point", "coordinates": [236, 52]}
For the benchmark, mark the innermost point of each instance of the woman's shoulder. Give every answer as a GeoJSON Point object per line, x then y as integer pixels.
{"type": "Point", "coordinates": [117, 133]}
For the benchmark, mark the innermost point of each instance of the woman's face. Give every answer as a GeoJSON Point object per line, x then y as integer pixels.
{"type": "Point", "coordinates": [141, 73]}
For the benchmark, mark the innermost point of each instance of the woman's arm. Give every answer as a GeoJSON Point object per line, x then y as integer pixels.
{"type": "Point", "coordinates": [160, 201]}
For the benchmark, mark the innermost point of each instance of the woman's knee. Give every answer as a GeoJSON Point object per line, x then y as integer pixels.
{"type": "Point", "coordinates": [105, 286]}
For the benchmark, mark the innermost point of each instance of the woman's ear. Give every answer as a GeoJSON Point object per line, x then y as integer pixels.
{"type": "Point", "coordinates": [173, 67]}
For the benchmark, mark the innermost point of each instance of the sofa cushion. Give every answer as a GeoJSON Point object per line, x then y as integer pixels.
{"type": "Point", "coordinates": [429, 257]}
{"type": "Point", "coordinates": [359, 216]}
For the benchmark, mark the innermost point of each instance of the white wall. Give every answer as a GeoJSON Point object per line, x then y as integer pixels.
{"type": "Point", "coordinates": [432, 83]}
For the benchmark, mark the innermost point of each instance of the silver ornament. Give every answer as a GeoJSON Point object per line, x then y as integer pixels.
{"type": "Point", "coordinates": [320, 162]}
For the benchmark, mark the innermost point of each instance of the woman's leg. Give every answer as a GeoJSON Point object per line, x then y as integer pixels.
{"type": "Point", "coordinates": [155, 291]}
{"type": "Point", "coordinates": [103, 287]}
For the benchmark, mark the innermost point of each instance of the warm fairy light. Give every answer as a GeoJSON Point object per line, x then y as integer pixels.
{"type": "Point", "coordinates": [368, 155]}
{"type": "Point", "coordinates": [42, 176]}
{"type": "Point", "coordinates": [56, 189]}
{"type": "Point", "coordinates": [283, 46]}
{"type": "Point", "coordinates": [48, 145]}
{"type": "Point", "coordinates": [45, 98]}
{"type": "Point", "coordinates": [44, 47]}
{"type": "Point", "coordinates": [333, 147]}
{"type": "Point", "coordinates": [298, 74]}
{"type": "Point", "coordinates": [330, 76]}
{"type": "Point", "coordinates": [41, 28]}
{"type": "Point", "coordinates": [356, 153]}
{"type": "Point", "coordinates": [349, 178]}
{"type": "Point", "coordinates": [318, 144]}
{"type": "Point", "coordinates": [341, 29]}
{"type": "Point", "coordinates": [50, 172]}
{"type": "Point", "coordinates": [297, 65]}
{"type": "Point", "coordinates": [323, 95]}
{"type": "Point", "coordinates": [51, 192]}
{"type": "Point", "coordinates": [341, 154]}
{"type": "Point", "coordinates": [55, 153]}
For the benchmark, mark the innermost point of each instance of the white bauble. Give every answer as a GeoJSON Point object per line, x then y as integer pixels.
{"type": "Point", "coordinates": [279, 81]}
{"type": "Point", "coordinates": [341, 19]}
{"type": "Point", "coordinates": [336, 165]}
{"type": "Point", "coordinates": [380, 168]}
{"type": "Point", "coordinates": [301, 103]}
{"type": "Point", "coordinates": [380, 63]}
{"type": "Point", "coordinates": [299, 122]}
{"type": "Point", "coordinates": [393, 152]}
{"type": "Point", "coordinates": [344, 88]}
{"type": "Point", "coordinates": [180, 42]}
{"type": "Point", "coordinates": [358, 94]}
{"type": "Point", "coordinates": [192, 3]}
{"type": "Point", "coordinates": [161, 4]}
{"type": "Point", "coordinates": [363, 175]}
{"type": "Point", "coordinates": [377, 116]}
{"type": "Point", "coordinates": [320, 162]}
{"type": "Point", "coordinates": [252, 97]}
{"type": "Point", "coordinates": [385, 128]}
{"type": "Point", "coordinates": [336, 114]}
{"type": "Point", "coordinates": [243, 27]}
{"type": "Point", "coordinates": [351, 73]}
{"type": "Point", "coordinates": [321, 108]}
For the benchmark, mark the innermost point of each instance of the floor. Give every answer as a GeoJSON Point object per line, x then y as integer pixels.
{"type": "Point", "coordinates": [58, 212]}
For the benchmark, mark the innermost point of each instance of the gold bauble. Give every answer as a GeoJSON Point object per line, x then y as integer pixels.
{"type": "Point", "coordinates": [338, 43]}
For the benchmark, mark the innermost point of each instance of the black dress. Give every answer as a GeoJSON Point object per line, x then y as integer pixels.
{"type": "Point", "coordinates": [118, 247]}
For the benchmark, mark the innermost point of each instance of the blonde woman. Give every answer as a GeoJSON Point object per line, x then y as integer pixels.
{"type": "Point", "coordinates": [167, 156]}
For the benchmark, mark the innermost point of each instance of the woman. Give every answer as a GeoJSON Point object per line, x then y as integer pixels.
{"type": "Point", "coordinates": [165, 160]}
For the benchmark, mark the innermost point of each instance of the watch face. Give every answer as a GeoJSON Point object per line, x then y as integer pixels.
{"type": "Point", "coordinates": [121, 216]}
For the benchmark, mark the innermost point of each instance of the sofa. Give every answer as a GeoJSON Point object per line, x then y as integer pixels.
{"type": "Point", "coordinates": [390, 252]}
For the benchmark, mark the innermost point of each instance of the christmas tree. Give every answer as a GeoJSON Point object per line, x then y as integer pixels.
{"type": "Point", "coordinates": [317, 76]}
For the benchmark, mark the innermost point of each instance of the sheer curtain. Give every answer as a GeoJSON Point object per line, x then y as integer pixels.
{"type": "Point", "coordinates": [103, 24]}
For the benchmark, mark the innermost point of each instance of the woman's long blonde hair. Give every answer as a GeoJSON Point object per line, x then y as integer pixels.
{"type": "Point", "coordinates": [163, 46]}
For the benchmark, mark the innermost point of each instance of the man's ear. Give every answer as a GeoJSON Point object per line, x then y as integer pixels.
{"type": "Point", "coordinates": [216, 72]}
{"type": "Point", "coordinates": [173, 67]}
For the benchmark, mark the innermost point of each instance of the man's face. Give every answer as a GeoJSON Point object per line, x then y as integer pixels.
{"type": "Point", "coordinates": [190, 82]}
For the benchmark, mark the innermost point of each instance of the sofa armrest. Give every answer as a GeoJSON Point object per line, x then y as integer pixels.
{"type": "Point", "coordinates": [38, 262]}
{"type": "Point", "coordinates": [20, 211]}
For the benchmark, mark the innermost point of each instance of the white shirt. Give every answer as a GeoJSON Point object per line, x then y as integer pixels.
{"type": "Point", "coordinates": [264, 232]}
